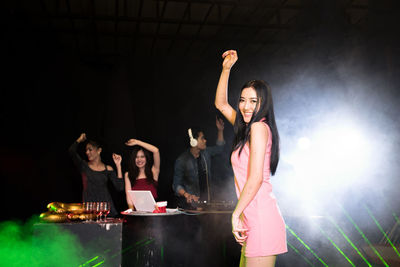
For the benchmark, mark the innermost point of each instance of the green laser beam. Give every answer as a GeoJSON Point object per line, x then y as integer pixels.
{"type": "Point", "coordinates": [390, 207]}
{"type": "Point", "coordinates": [381, 229]}
{"type": "Point", "coordinates": [138, 244]}
{"type": "Point", "coordinates": [334, 244]}
{"type": "Point", "coordinates": [98, 264]}
{"type": "Point", "coordinates": [298, 252]}
{"type": "Point", "coordinates": [348, 240]}
{"type": "Point", "coordinates": [115, 255]}
{"type": "Point", "coordinates": [305, 245]}
{"type": "Point", "coordinates": [362, 234]}
{"type": "Point", "coordinates": [89, 261]}
{"type": "Point", "coordinates": [146, 243]}
{"type": "Point", "coordinates": [125, 249]}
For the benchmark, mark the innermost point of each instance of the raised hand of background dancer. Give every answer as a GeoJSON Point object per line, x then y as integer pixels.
{"type": "Point", "coordinates": [230, 57]}
{"type": "Point", "coordinates": [131, 142]}
{"type": "Point", "coordinates": [238, 230]}
{"type": "Point", "coordinates": [117, 159]}
{"type": "Point", "coordinates": [81, 138]}
{"type": "Point", "coordinates": [220, 124]}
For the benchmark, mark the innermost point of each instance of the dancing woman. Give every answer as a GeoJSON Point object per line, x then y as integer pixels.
{"type": "Point", "coordinates": [143, 171]}
{"type": "Point", "coordinates": [257, 223]}
{"type": "Point", "coordinates": [95, 173]}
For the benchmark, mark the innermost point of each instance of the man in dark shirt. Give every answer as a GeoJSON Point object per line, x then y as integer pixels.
{"type": "Point", "coordinates": [192, 176]}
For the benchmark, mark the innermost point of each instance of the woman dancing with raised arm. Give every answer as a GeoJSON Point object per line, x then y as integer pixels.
{"type": "Point", "coordinates": [257, 223]}
{"type": "Point", "coordinates": [143, 171]}
{"type": "Point", "coordinates": [96, 174]}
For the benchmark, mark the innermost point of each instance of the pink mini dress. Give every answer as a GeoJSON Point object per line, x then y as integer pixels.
{"type": "Point", "coordinates": [266, 234]}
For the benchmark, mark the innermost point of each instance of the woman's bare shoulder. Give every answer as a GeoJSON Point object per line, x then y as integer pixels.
{"type": "Point", "coordinates": [259, 126]}
{"type": "Point", "coordinates": [109, 168]}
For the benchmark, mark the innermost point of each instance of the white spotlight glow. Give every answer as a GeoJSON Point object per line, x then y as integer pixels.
{"type": "Point", "coordinates": [303, 143]}
{"type": "Point", "coordinates": [331, 159]}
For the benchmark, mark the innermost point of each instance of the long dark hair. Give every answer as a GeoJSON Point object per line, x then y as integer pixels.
{"type": "Point", "coordinates": [265, 111]}
{"type": "Point", "coordinates": [95, 144]}
{"type": "Point", "coordinates": [133, 170]}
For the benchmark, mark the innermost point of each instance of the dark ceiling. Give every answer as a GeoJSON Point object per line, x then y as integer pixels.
{"type": "Point", "coordinates": [189, 28]}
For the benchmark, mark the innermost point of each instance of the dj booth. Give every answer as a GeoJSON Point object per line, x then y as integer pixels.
{"type": "Point", "coordinates": [175, 238]}
{"type": "Point", "coordinates": [186, 239]}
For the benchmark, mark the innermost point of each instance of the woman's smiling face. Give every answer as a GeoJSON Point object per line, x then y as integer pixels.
{"type": "Point", "coordinates": [92, 152]}
{"type": "Point", "coordinates": [140, 159]}
{"type": "Point", "coordinates": [248, 103]}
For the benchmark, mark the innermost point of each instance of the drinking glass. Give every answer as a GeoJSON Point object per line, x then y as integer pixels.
{"type": "Point", "coordinates": [88, 206]}
{"type": "Point", "coordinates": [102, 210]}
{"type": "Point", "coordinates": [97, 210]}
{"type": "Point", "coordinates": [106, 210]}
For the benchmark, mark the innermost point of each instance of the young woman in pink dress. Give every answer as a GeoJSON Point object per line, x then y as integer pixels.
{"type": "Point", "coordinates": [143, 171]}
{"type": "Point", "coordinates": [257, 223]}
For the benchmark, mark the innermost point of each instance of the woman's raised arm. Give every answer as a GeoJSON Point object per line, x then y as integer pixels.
{"type": "Point", "coordinates": [151, 148]}
{"type": "Point", "coordinates": [221, 96]}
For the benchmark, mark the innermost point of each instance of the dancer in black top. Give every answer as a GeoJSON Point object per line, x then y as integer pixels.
{"type": "Point", "coordinates": [96, 174]}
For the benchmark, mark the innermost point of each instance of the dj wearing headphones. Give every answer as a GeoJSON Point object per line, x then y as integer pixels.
{"type": "Point", "coordinates": [192, 176]}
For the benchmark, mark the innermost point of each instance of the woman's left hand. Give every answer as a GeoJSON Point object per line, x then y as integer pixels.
{"type": "Point", "coordinates": [238, 230]}
{"type": "Point", "coordinates": [117, 159]}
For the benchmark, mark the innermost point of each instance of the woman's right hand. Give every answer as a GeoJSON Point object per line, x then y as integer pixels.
{"type": "Point", "coordinates": [81, 138]}
{"type": "Point", "coordinates": [230, 57]}
{"type": "Point", "coordinates": [191, 198]}
{"type": "Point", "coordinates": [238, 229]}
{"type": "Point", "coordinates": [131, 142]}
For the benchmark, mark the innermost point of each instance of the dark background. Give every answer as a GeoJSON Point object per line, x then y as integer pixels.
{"type": "Point", "coordinates": [116, 70]}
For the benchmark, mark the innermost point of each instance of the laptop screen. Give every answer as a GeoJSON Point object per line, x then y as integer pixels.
{"type": "Point", "coordinates": [143, 200]}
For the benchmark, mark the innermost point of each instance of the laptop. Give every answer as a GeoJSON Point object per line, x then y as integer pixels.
{"type": "Point", "coordinates": [143, 200]}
